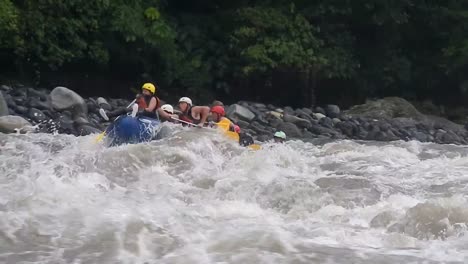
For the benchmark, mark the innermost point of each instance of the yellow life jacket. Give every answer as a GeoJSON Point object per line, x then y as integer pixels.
{"type": "Point", "coordinates": [225, 125]}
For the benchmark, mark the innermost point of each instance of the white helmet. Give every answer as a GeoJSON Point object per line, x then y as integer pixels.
{"type": "Point", "coordinates": [168, 108]}
{"type": "Point", "coordinates": [186, 100]}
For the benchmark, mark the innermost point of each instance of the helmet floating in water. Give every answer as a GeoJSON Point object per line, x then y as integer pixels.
{"type": "Point", "coordinates": [185, 100]}
{"type": "Point", "coordinates": [280, 134]}
{"type": "Point", "coordinates": [218, 110]}
{"type": "Point", "coordinates": [150, 87]}
{"type": "Point", "coordinates": [168, 108]}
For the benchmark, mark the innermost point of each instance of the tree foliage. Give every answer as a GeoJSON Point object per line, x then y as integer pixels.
{"type": "Point", "coordinates": [413, 48]}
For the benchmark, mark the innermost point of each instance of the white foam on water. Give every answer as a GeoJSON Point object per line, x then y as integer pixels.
{"type": "Point", "coordinates": [197, 198]}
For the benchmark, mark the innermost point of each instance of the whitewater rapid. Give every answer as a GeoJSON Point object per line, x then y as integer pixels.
{"type": "Point", "coordinates": [195, 197]}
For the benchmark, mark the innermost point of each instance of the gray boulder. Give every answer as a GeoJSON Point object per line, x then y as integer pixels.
{"type": "Point", "coordinates": [21, 110]}
{"type": "Point", "coordinates": [37, 115]}
{"type": "Point", "coordinates": [3, 106]}
{"type": "Point", "coordinates": [242, 124]}
{"type": "Point", "coordinates": [386, 108]}
{"type": "Point", "coordinates": [102, 103]}
{"type": "Point", "coordinates": [87, 130]}
{"type": "Point", "coordinates": [348, 128]}
{"type": "Point", "coordinates": [319, 116]}
{"type": "Point", "coordinates": [237, 112]}
{"type": "Point", "coordinates": [326, 122]}
{"type": "Point", "coordinates": [320, 110]}
{"type": "Point", "coordinates": [10, 123]}
{"type": "Point", "coordinates": [290, 129]}
{"type": "Point", "coordinates": [288, 110]}
{"type": "Point", "coordinates": [63, 98]}
{"type": "Point", "coordinates": [332, 111]}
{"type": "Point", "coordinates": [301, 122]}
{"type": "Point", "coordinates": [307, 111]}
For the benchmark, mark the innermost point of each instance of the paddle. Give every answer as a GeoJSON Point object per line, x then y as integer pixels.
{"type": "Point", "coordinates": [185, 122]}
{"type": "Point", "coordinates": [252, 146]}
{"type": "Point", "coordinates": [103, 133]}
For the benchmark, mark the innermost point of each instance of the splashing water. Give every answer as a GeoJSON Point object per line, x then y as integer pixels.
{"type": "Point", "coordinates": [196, 198]}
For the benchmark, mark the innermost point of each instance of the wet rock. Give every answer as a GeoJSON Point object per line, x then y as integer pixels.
{"type": "Point", "coordinates": [326, 122]}
{"type": "Point", "coordinates": [242, 124]}
{"type": "Point", "coordinates": [65, 124]}
{"type": "Point", "coordinates": [264, 138]}
{"type": "Point", "coordinates": [403, 122]}
{"type": "Point", "coordinates": [288, 110]}
{"type": "Point", "coordinates": [259, 105]}
{"type": "Point", "coordinates": [275, 114]}
{"type": "Point", "coordinates": [336, 121]}
{"type": "Point", "coordinates": [84, 130]}
{"type": "Point", "coordinates": [300, 122]}
{"type": "Point", "coordinates": [80, 121]}
{"type": "Point", "coordinates": [37, 93]}
{"type": "Point", "coordinates": [308, 135]}
{"type": "Point", "coordinates": [391, 136]}
{"type": "Point", "coordinates": [10, 123]}
{"type": "Point", "coordinates": [92, 106]}
{"type": "Point", "coordinates": [19, 100]}
{"type": "Point", "coordinates": [102, 103]}
{"type": "Point", "coordinates": [21, 110]}
{"type": "Point", "coordinates": [290, 129]}
{"type": "Point", "coordinates": [41, 105]}
{"type": "Point", "coordinates": [348, 128]}
{"type": "Point", "coordinates": [5, 88]}
{"type": "Point", "coordinates": [332, 111]}
{"type": "Point", "coordinates": [63, 98]}
{"type": "Point", "coordinates": [3, 106]}
{"type": "Point", "coordinates": [320, 110]}
{"type": "Point", "coordinates": [323, 131]}
{"type": "Point", "coordinates": [319, 116]}
{"type": "Point", "coordinates": [450, 138]}
{"type": "Point", "coordinates": [258, 128]}
{"type": "Point", "coordinates": [275, 123]}
{"type": "Point", "coordinates": [36, 115]}
{"type": "Point", "coordinates": [19, 92]}
{"type": "Point", "coordinates": [237, 112]}
{"type": "Point", "coordinates": [384, 126]}
{"type": "Point", "coordinates": [308, 111]}
{"type": "Point", "coordinates": [389, 107]}
{"type": "Point", "coordinates": [419, 136]}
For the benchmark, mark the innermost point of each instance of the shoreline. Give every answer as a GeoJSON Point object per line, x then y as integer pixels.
{"type": "Point", "coordinates": [61, 110]}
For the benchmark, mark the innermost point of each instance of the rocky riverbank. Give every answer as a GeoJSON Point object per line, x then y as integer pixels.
{"type": "Point", "coordinates": [64, 111]}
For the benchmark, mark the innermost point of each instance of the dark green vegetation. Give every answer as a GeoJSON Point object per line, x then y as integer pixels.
{"type": "Point", "coordinates": [285, 52]}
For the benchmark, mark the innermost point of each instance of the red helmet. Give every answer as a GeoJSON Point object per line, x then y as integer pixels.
{"type": "Point", "coordinates": [218, 110]}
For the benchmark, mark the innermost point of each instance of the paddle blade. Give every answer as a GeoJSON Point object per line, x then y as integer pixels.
{"type": "Point", "coordinates": [100, 137]}
{"type": "Point", "coordinates": [255, 147]}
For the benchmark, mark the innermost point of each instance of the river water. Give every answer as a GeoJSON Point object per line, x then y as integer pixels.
{"type": "Point", "coordinates": [195, 197]}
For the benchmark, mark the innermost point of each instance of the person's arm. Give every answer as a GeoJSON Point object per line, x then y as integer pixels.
{"type": "Point", "coordinates": [163, 114]}
{"type": "Point", "coordinates": [203, 111]}
{"type": "Point", "coordinates": [152, 105]}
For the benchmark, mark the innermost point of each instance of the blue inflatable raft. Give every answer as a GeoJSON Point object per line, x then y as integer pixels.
{"type": "Point", "coordinates": [130, 130]}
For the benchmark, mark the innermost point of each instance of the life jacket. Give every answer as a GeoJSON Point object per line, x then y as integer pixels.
{"type": "Point", "coordinates": [187, 117]}
{"type": "Point", "coordinates": [226, 125]}
{"type": "Point", "coordinates": [143, 102]}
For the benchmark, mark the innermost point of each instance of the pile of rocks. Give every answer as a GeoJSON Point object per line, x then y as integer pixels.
{"type": "Point", "coordinates": [58, 111]}
{"type": "Point", "coordinates": [387, 119]}
{"type": "Point", "coordinates": [64, 111]}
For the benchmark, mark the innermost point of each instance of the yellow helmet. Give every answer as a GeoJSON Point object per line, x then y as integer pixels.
{"type": "Point", "coordinates": [150, 87]}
